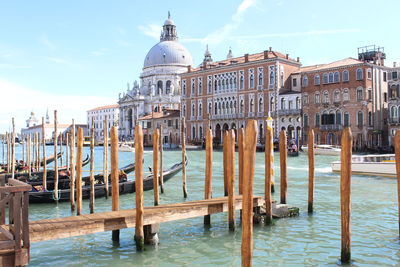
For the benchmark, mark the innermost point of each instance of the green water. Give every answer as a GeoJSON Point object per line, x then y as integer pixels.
{"type": "Point", "coordinates": [302, 241]}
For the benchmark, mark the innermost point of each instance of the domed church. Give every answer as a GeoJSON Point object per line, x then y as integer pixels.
{"type": "Point", "coordinates": [159, 86]}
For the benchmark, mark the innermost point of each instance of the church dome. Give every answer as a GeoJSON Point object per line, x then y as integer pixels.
{"type": "Point", "coordinates": [168, 53]}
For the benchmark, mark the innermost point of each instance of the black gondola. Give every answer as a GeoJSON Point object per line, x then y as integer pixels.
{"type": "Point", "coordinates": [293, 153]}
{"type": "Point", "coordinates": [125, 187]}
{"type": "Point", "coordinates": [20, 164]}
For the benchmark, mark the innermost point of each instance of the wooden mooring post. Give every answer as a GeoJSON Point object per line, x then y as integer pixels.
{"type": "Point", "coordinates": [61, 149]}
{"type": "Point", "coordinates": [345, 194]}
{"type": "Point", "coordinates": [161, 162]}
{"type": "Point", "coordinates": [72, 166]}
{"type": "Point", "coordinates": [183, 137]}
{"type": "Point", "coordinates": [114, 177]}
{"type": "Point", "coordinates": [311, 171]}
{"type": "Point", "coordinates": [91, 178]}
{"type": "Point", "coordinates": [269, 149]}
{"type": "Point", "coordinates": [13, 150]}
{"type": "Point", "coordinates": [139, 233]}
{"type": "Point", "coordinates": [105, 155]}
{"type": "Point", "coordinates": [29, 155]}
{"type": "Point", "coordinates": [56, 159]}
{"type": "Point", "coordinates": [248, 179]}
{"type": "Point", "coordinates": [230, 164]}
{"type": "Point", "coordinates": [224, 151]}
{"type": "Point", "coordinates": [156, 143]}
{"type": "Point", "coordinates": [44, 156]}
{"type": "Point", "coordinates": [397, 151]}
{"type": "Point", "coordinates": [208, 178]}
{"type": "Point", "coordinates": [67, 150]}
{"type": "Point", "coordinates": [241, 140]}
{"type": "Point", "coordinates": [79, 171]}
{"type": "Point", "coordinates": [283, 165]}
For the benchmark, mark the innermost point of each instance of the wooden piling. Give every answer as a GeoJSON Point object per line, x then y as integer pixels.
{"type": "Point", "coordinates": [91, 178]}
{"type": "Point", "coordinates": [397, 151]}
{"type": "Point", "coordinates": [283, 165]}
{"type": "Point", "coordinates": [29, 154]}
{"type": "Point", "coordinates": [224, 152]}
{"type": "Point", "coordinates": [79, 172]}
{"type": "Point", "coordinates": [44, 156]}
{"type": "Point", "coordinates": [241, 140]}
{"type": "Point", "coordinates": [269, 148]}
{"type": "Point", "coordinates": [161, 162]}
{"type": "Point", "coordinates": [156, 141]}
{"type": "Point", "coordinates": [66, 150]}
{"type": "Point", "coordinates": [61, 149]}
{"type": "Point", "coordinates": [248, 179]}
{"type": "Point", "coordinates": [310, 170]}
{"type": "Point", "coordinates": [13, 150]}
{"type": "Point", "coordinates": [209, 161]}
{"type": "Point", "coordinates": [114, 177]}
{"type": "Point", "coordinates": [22, 150]}
{"type": "Point", "coordinates": [230, 164]}
{"type": "Point", "coordinates": [56, 160]}
{"type": "Point", "coordinates": [72, 166]}
{"type": "Point", "coordinates": [105, 155]}
{"type": "Point", "coordinates": [139, 234]}
{"type": "Point", "coordinates": [8, 153]}
{"type": "Point", "coordinates": [2, 151]}
{"type": "Point", "coordinates": [183, 137]}
{"type": "Point", "coordinates": [345, 193]}
{"type": "Point", "coordinates": [37, 151]}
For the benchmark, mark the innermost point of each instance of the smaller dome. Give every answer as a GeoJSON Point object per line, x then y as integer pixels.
{"type": "Point", "coordinates": [169, 22]}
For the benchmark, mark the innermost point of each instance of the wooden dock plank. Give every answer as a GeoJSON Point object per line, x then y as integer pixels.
{"type": "Point", "coordinates": [50, 229]}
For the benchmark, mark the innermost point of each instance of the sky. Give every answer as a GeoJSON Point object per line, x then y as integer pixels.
{"type": "Point", "coordinates": [76, 55]}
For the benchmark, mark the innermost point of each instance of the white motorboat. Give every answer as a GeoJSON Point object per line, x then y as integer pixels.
{"type": "Point", "coordinates": [376, 165]}
{"type": "Point", "coordinates": [324, 150]}
{"type": "Point", "coordinates": [125, 148]}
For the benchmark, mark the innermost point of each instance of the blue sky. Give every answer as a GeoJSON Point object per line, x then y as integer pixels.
{"type": "Point", "coordinates": [76, 55]}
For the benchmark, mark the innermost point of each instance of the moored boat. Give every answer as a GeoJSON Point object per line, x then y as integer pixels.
{"type": "Point", "coordinates": [328, 150]}
{"type": "Point", "coordinates": [126, 148]}
{"type": "Point", "coordinates": [375, 165]}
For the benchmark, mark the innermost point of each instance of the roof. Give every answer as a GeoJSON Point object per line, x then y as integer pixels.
{"type": "Point", "coordinates": [251, 57]}
{"type": "Point", "coordinates": [168, 113]}
{"type": "Point", "coordinates": [168, 53]}
{"type": "Point", "coordinates": [335, 64]}
{"type": "Point", "coordinates": [104, 107]}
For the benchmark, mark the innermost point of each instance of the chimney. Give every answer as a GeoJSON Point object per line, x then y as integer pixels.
{"type": "Point", "coordinates": [265, 54]}
{"type": "Point", "coordinates": [394, 64]}
{"type": "Point", "coordinates": [287, 56]}
{"type": "Point", "coordinates": [246, 57]}
{"type": "Point", "coordinates": [270, 49]}
{"type": "Point", "coordinates": [298, 59]}
{"type": "Point", "coordinates": [189, 67]}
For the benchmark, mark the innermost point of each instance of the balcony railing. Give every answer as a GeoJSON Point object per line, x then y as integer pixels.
{"type": "Point", "coordinates": [331, 127]}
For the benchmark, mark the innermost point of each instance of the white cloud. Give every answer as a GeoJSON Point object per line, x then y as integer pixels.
{"type": "Point", "coordinates": [46, 42]}
{"type": "Point", "coordinates": [152, 30]}
{"type": "Point", "coordinates": [19, 101]}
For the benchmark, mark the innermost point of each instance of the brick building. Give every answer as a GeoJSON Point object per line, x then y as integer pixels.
{"type": "Point", "coordinates": [231, 91]}
{"type": "Point", "coordinates": [349, 92]}
{"type": "Point", "coordinates": [394, 102]}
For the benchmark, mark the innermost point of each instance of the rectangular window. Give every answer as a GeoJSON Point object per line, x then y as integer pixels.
{"type": "Point", "coordinates": [294, 82]}
{"type": "Point", "coordinates": [369, 94]}
{"type": "Point", "coordinates": [271, 76]}
{"type": "Point", "coordinates": [346, 119]}
{"type": "Point", "coordinates": [394, 75]}
{"type": "Point", "coordinates": [384, 76]}
{"type": "Point", "coordinates": [148, 124]}
{"type": "Point", "coordinates": [169, 123]}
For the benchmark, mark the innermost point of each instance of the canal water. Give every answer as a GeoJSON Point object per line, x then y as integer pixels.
{"type": "Point", "coordinates": [307, 240]}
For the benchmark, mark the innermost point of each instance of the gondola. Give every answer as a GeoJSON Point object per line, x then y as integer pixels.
{"type": "Point", "coordinates": [293, 153]}
{"type": "Point", "coordinates": [125, 187]}
{"type": "Point", "coordinates": [64, 179]}
{"type": "Point", "coordinates": [20, 164]}
{"type": "Point", "coordinates": [39, 174]}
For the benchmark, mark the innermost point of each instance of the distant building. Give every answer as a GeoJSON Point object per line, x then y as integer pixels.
{"type": "Point", "coordinates": [159, 86]}
{"type": "Point", "coordinates": [394, 102]}
{"type": "Point", "coordinates": [169, 120]}
{"type": "Point", "coordinates": [98, 115]}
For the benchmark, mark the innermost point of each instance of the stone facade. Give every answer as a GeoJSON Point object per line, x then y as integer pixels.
{"type": "Point", "coordinates": [394, 103]}
{"type": "Point", "coordinates": [98, 115]}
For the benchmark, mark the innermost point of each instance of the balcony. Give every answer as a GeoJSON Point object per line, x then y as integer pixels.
{"type": "Point", "coordinates": [287, 112]}
{"type": "Point", "coordinates": [331, 127]}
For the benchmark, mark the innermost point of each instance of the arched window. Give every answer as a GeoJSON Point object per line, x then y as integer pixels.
{"type": "Point", "coordinates": [336, 77]}
{"type": "Point", "coordinates": [159, 87]}
{"type": "Point", "coordinates": [345, 75]}
{"type": "Point", "coordinates": [317, 98]}
{"type": "Point", "coordinates": [326, 78]}
{"type": "Point", "coordinates": [298, 104]}
{"type": "Point", "coordinates": [283, 103]}
{"type": "Point", "coordinates": [260, 105]}
{"type": "Point", "coordinates": [252, 105]}
{"type": "Point", "coordinates": [317, 120]}
{"type": "Point", "coordinates": [317, 80]}
{"type": "Point", "coordinates": [305, 120]}
{"type": "Point", "coordinates": [223, 107]}
{"type": "Point", "coordinates": [370, 118]}
{"type": "Point", "coordinates": [193, 110]}
{"type": "Point", "coordinates": [216, 109]}
{"type": "Point", "coordinates": [223, 84]}
{"type": "Point", "coordinates": [251, 79]}
{"type": "Point", "coordinates": [215, 86]}
{"type": "Point", "coordinates": [209, 86]}
{"type": "Point", "coordinates": [346, 96]}
{"type": "Point", "coordinates": [201, 133]}
{"type": "Point", "coordinates": [209, 108]}
{"type": "Point", "coordinates": [230, 83]}
{"type": "Point", "coordinates": [193, 87]}
{"type": "Point", "coordinates": [260, 78]}
{"type": "Point", "coordinates": [219, 108]}
{"type": "Point", "coordinates": [241, 82]}
{"type": "Point", "coordinates": [338, 117]}
{"type": "Point", "coordinates": [331, 77]}
{"type": "Point", "coordinates": [360, 94]}
{"type": "Point", "coordinates": [193, 132]}
{"type": "Point", "coordinates": [360, 118]}
{"type": "Point", "coordinates": [393, 112]}
{"type": "Point", "coordinates": [168, 87]}
{"type": "Point", "coordinates": [234, 83]}
{"type": "Point", "coordinates": [346, 120]}
{"type": "Point", "coordinates": [200, 110]}
{"type": "Point", "coordinates": [359, 75]}
{"type": "Point", "coordinates": [305, 81]}
{"type": "Point", "coordinates": [184, 110]}
{"type": "Point", "coordinates": [336, 96]}
{"type": "Point", "coordinates": [200, 86]}
{"type": "Point", "coordinates": [326, 97]}
{"type": "Point", "coordinates": [241, 106]}
{"type": "Point", "coordinates": [219, 86]}
{"type": "Point", "coordinates": [271, 76]}
{"type": "Point", "coordinates": [271, 104]}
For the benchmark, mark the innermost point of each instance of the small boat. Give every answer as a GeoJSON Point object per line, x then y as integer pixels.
{"type": "Point", "coordinates": [20, 164]}
{"type": "Point", "coordinates": [293, 153]}
{"type": "Point", "coordinates": [125, 187]}
{"type": "Point", "coordinates": [324, 150]}
{"type": "Point", "coordinates": [375, 165]}
{"type": "Point", "coordinates": [126, 148]}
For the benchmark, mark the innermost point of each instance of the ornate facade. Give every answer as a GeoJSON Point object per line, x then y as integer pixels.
{"type": "Point", "coordinates": [159, 86]}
